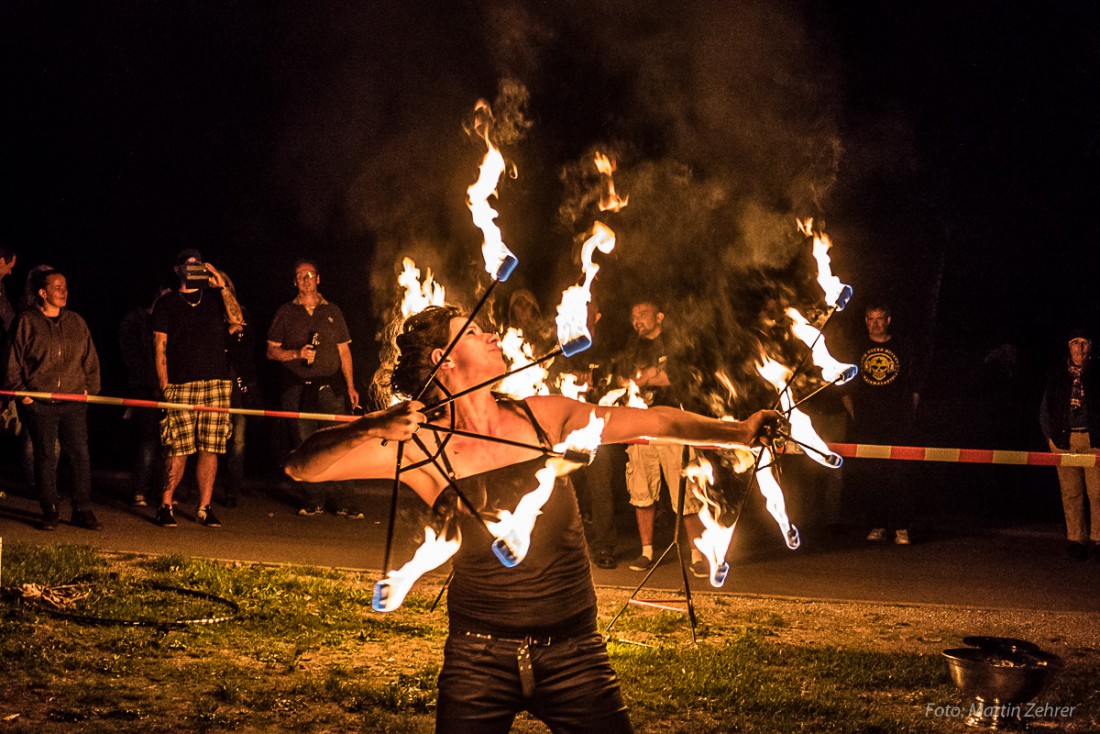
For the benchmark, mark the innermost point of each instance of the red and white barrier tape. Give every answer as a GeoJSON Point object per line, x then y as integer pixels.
{"type": "Point", "coordinates": [847, 450]}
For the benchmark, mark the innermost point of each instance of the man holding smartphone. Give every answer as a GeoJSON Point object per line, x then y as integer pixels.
{"type": "Point", "coordinates": [190, 326]}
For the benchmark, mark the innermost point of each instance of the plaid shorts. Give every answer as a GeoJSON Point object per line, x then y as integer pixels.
{"type": "Point", "coordinates": [183, 432]}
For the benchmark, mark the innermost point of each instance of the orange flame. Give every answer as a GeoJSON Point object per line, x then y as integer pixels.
{"type": "Point", "coordinates": [832, 370]}
{"type": "Point", "coordinates": [572, 316]}
{"type": "Point", "coordinates": [570, 386]}
{"type": "Point", "coordinates": [493, 249]}
{"type": "Point", "coordinates": [836, 293]}
{"type": "Point", "coordinates": [609, 200]}
{"type": "Point", "coordinates": [517, 352]}
{"type": "Point", "coordinates": [418, 296]}
{"type": "Point", "coordinates": [514, 528]}
{"type": "Point", "coordinates": [632, 394]}
{"type": "Point", "coordinates": [774, 501]}
{"type": "Point", "coordinates": [715, 540]}
{"type": "Point", "coordinates": [430, 555]}
{"type": "Point", "coordinates": [802, 429]}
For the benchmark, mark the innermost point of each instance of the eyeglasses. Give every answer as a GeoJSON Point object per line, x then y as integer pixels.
{"type": "Point", "coordinates": [305, 276]}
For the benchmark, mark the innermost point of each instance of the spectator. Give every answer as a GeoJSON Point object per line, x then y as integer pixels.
{"type": "Point", "coordinates": [52, 351]}
{"type": "Point", "coordinates": [648, 362]}
{"type": "Point", "coordinates": [241, 349]}
{"type": "Point", "coordinates": [525, 314]}
{"type": "Point", "coordinates": [7, 312]}
{"type": "Point", "coordinates": [135, 336]}
{"type": "Point", "coordinates": [881, 405]}
{"type": "Point", "coordinates": [189, 337]}
{"type": "Point", "coordinates": [1070, 419]}
{"type": "Point", "coordinates": [310, 339]}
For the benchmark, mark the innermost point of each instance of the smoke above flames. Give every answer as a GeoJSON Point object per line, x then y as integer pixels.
{"type": "Point", "coordinates": [721, 116]}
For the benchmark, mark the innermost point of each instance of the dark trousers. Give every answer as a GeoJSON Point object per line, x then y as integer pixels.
{"type": "Point", "coordinates": [601, 501]}
{"type": "Point", "coordinates": [145, 425]}
{"type": "Point", "coordinates": [328, 401]}
{"type": "Point", "coordinates": [67, 423]}
{"type": "Point", "coordinates": [575, 689]}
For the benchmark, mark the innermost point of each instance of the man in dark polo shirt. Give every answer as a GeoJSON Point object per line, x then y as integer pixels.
{"type": "Point", "coordinates": [190, 328]}
{"type": "Point", "coordinates": [310, 339]}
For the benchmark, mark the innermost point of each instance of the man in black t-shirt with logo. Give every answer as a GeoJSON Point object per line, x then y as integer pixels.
{"type": "Point", "coordinates": [881, 404]}
{"type": "Point", "coordinates": [189, 339]}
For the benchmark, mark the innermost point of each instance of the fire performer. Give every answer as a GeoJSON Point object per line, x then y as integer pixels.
{"type": "Point", "coordinates": [521, 638]}
{"type": "Point", "coordinates": [1070, 418]}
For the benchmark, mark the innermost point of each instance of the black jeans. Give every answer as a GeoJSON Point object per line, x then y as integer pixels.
{"type": "Point", "coordinates": [575, 689]}
{"type": "Point", "coordinates": [328, 401]}
{"type": "Point", "coordinates": [68, 423]}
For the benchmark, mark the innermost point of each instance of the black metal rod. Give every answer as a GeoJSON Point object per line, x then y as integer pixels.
{"type": "Point", "coordinates": [451, 398]}
{"type": "Point", "coordinates": [802, 362]}
{"type": "Point", "coordinates": [393, 510]}
{"type": "Point", "coordinates": [806, 446]}
{"type": "Point", "coordinates": [492, 439]}
{"type": "Point", "coordinates": [454, 341]}
{"type": "Point", "coordinates": [461, 495]}
{"type": "Point", "coordinates": [815, 392]}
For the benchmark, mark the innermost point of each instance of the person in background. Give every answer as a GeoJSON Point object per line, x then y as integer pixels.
{"type": "Point", "coordinates": [648, 360]}
{"type": "Point", "coordinates": [309, 339]}
{"type": "Point", "coordinates": [882, 404]}
{"type": "Point", "coordinates": [241, 348]}
{"type": "Point", "coordinates": [52, 351]}
{"type": "Point", "coordinates": [189, 337]}
{"type": "Point", "coordinates": [1070, 418]}
{"type": "Point", "coordinates": [135, 337]}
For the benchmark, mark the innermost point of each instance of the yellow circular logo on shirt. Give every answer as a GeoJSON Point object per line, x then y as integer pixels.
{"type": "Point", "coordinates": [879, 366]}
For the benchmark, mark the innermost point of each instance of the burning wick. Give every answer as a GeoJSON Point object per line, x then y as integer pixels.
{"type": "Point", "coordinates": [390, 592]}
{"type": "Point", "coordinates": [513, 530]}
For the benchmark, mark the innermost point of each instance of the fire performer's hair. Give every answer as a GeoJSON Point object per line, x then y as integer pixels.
{"type": "Point", "coordinates": [407, 353]}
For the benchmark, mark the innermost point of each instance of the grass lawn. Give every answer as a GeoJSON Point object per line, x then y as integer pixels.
{"type": "Point", "coordinates": [306, 653]}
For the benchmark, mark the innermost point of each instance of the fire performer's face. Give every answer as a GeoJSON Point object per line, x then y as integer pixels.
{"type": "Point", "coordinates": [1079, 350]}
{"type": "Point", "coordinates": [476, 354]}
{"type": "Point", "coordinates": [646, 320]}
{"type": "Point", "coordinates": [878, 324]}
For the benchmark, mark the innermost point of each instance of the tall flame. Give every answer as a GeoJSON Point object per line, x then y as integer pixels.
{"type": "Point", "coordinates": [418, 296]}
{"type": "Point", "coordinates": [513, 529]}
{"type": "Point", "coordinates": [609, 200]}
{"type": "Point", "coordinates": [774, 500]}
{"type": "Point", "coordinates": [572, 316]}
{"type": "Point", "coordinates": [837, 294]}
{"type": "Point", "coordinates": [531, 381]}
{"type": "Point", "coordinates": [715, 540]}
{"type": "Point", "coordinates": [499, 260]}
{"type": "Point", "coordinates": [831, 370]}
{"type": "Point", "coordinates": [390, 592]}
{"type": "Point", "coordinates": [570, 386]}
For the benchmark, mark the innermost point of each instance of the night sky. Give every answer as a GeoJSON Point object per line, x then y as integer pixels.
{"type": "Point", "coordinates": [950, 149]}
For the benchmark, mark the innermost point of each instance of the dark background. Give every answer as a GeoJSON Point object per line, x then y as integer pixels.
{"type": "Point", "coordinates": [949, 148]}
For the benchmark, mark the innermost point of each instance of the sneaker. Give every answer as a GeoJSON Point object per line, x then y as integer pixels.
{"type": "Point", "coordinates": [50, 518]}
{"type": "Point", "coordinates": [138, 501]}
{"type": "Point", "coordinates": [700, 569]}
{"type": "Point", "coordinates": [642, 563]}
{"type": "Point", "coordinates": [352, 513]}
{"type": "Point", "coordinates": [901, 537]}
{"type": "Point", "coordinates": [165, 517]}
{"type": "Point", "coordinates": [605, 559]}
{"type": "Point", "coordinates": [310, 510]}
{"type": "Point", "coordinates": [877, 535]}
{"type": "Point", "coordinates": [86, 519]}
{"type": "Point", "coordinates": [205, 516]}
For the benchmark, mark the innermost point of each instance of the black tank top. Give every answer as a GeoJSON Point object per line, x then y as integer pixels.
{"type": "Point", "coordinates": [550, 592]}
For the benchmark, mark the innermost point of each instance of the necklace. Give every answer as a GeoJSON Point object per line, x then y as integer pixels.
{"type": "Point", "coordinates": [188, 301]}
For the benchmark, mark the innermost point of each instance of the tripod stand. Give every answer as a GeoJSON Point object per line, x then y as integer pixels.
{"type": "Point", "coordinates": [666, 604]}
